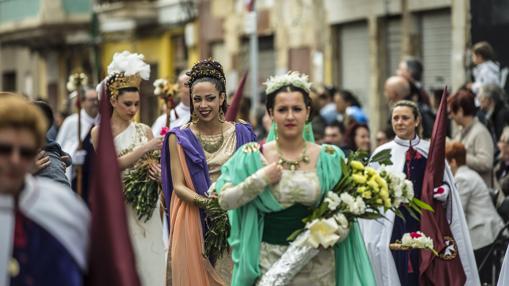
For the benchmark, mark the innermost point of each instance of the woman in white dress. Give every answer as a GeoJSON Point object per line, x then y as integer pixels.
{"type": "Point", "coordinates": [132, 141]}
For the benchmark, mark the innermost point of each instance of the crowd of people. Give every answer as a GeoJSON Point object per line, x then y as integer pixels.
{"type": "Point", "coordinates": [269, 173]}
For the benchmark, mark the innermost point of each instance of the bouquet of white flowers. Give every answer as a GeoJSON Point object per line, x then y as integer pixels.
{"type": "Point", "coordinates": [414, 240]}
{"type": "Point", "coordinates": [363, 192]}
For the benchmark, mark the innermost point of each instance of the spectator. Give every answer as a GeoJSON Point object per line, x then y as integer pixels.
{"type": "Point", "coordinates": [473, 134]}
{"type": "Point", "coordinates": [398, 88]}
{"type": "Point", "coordinates": [502, 167]}
{"type": "Point", "coordinates": [483, 221]}
{"type": "Point", "coordinates": [349, 108]}
{"type": "Point", "coordinates": [334, 134]}
{"type": "Point", "coordinates": [325, 95]}
{"type": "Point", "coordinates": [68, 134]}
{"type": "Point", "coordinates": [181, 114]}
{"type": "Point", "coordinates": [357, 138]}
{"type": "Point", "coordinates": [44, 227]}
{"type": "Point", "coordinates": [382, 137]}
{"type": "Point", "coordinates": [412, 69]}
{"type": "Point", "coordinates": [491, 102]}
{"type": "Point", "coordinates": [51, 161]}
{"type": "Point", "coordinates": [486, 71]}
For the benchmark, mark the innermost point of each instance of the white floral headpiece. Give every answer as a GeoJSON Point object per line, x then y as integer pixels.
{"type": "Point", "coordinates": [292, 78]}
{"type": "Point", "coordinates": [126, 70]}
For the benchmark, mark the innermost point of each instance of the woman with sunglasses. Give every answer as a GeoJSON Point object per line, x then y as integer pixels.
{"type": "Point", "coordinates": [43, 224]}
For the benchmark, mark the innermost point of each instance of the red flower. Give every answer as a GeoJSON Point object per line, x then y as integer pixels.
{"type": "Point", "coordinates": [415, 234]}
{"type": "Point", "coordinates": [164, 131]}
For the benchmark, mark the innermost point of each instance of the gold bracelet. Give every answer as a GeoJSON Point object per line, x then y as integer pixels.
{"type": "Point", "coordinates": [200, 201]}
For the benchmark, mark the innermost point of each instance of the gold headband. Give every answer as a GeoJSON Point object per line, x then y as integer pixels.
{"type": "Point", "coordinates": [119, 81]}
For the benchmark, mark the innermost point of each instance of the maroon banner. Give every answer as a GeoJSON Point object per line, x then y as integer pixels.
{"type": "Point", "coordinates": [436, 270]}
{"type": "Point", "coordinates": [111, 260]}
{"type": "Point", "coordinates": [233, 109]}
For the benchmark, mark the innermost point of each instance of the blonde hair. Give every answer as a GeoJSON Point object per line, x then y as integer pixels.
{"type": "Point", "coordinates": [18, 113]}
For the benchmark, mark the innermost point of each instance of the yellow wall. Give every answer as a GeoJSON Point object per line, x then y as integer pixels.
{"type": "Point", "coordinates": [155, 49]}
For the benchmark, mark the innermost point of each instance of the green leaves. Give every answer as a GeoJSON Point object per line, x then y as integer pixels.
{"type": "Point", "coordinates": [216, 237]}
{"type": "Point", "coordinates": [140, 191]}
{"type": "Point", "coordinates": [422, 205]}
{"type": "Point", "coordinates": [383, 157]}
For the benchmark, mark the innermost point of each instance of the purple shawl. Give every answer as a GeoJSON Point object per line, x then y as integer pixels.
{"type": "Point", "coordinates": [196, 161]}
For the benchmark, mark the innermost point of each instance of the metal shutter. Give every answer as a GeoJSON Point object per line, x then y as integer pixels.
{"type": "Point", "coordinates": [393, 41]}
{"type": "Point", "coordinates": [354, 55]}
{"type": "Point", "coordinates": [436, 48]}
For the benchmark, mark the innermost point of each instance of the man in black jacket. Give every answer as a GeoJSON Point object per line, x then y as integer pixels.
{"type": "Point", "coordinates": [493, 105]}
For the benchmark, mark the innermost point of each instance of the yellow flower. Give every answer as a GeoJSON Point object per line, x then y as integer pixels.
{"type": "Point", "coordinates": [371, 183]}
{"type": "Point", "coordinates": [366, 195]}
{"type": "Point", "coordinates": [356, 165]}
{"type": "Point", "coordinates": [370, 171]}
{"type": "Point", "coordinates": [387, 203]}
{"type": "Point", "coordinates": [361, 190]}
{"type": "Point", "coordinates": [323, 232]}
{"type": "Point", "coordinates": [384, 194]}
{"type": "Point", "coordinates": [380, 181]}
{"type": "Point", "coordinates": [379, 201]}
{"type": "Point", "coordinates": [359, 179]}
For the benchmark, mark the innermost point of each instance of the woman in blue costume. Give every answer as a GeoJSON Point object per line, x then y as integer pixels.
{"type": "Point", "coordinates": [270, 189]}
{"type": "Point", "coordinates": [191, 162]}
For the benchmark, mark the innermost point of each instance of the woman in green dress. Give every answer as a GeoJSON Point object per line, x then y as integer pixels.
{"type": "Point", "coordinates": [269, 189]}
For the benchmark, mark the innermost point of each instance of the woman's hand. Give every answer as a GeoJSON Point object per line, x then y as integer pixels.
{"type": "Point", "coordinates": [154, 144]}
{"type": "Point", "coordinates": [154, 172]}
{"type": "Point", "coordinates": [41, 162]}
{"type": "Point", "coordinates": [272, 173]}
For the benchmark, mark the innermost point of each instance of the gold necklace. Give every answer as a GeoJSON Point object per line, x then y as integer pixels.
{"type": "Point", "coordinates": [292, 165]}
{"type": "Point", "coordinates": [211, 146]}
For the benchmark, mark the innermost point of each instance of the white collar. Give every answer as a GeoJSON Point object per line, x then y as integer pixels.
{"type": "Point", "coordinates": [87, 118]}
{"type": "Point", "coordinates": [407, 143]}
{"type": "Point", "coordinates": [183, 107]}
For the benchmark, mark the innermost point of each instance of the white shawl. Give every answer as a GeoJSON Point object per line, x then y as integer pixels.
{"type": "Point", "coordinates": [55, 208]}
{"type": "Point", "coordinates": [377, 233]}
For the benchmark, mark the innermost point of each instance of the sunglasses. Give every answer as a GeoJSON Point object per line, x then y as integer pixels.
{"type": "Point", "coordinates": [24, 152]}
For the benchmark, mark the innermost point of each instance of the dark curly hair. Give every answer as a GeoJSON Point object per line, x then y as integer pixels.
{"type": "Point", "coordinates": [207, 71]}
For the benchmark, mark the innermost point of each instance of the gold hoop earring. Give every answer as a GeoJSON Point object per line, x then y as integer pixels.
{"type": "Point", "coordinates": [221, 115]}
{"type": "Point", "coordinates": [194, 117]}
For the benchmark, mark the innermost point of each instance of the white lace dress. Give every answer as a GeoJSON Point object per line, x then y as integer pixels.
{"type": "Point", "coordinates": [146, 237]}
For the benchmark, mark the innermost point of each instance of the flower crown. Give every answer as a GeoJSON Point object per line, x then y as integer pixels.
{"type": "Point", "coordinates": [126, 70]}
{"type": "Point", "coordinates": [206, 68]}
{"type": "Point", "coordinates": [292, 78]}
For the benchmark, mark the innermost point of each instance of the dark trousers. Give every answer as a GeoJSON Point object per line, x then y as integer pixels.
{"type": "Point", "coordinates": [485, 274]}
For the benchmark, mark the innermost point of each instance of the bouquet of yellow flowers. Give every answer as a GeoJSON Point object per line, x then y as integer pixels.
{"type": "Point", "coordinates": [362, 193]}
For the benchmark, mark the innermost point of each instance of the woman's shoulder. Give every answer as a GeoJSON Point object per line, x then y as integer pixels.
{"type": "Point", "coordinates": [251, 147]}
{"type": "Point", "coordinates": [328, 149]}
{"type": "Point", "coordinates": [142, 126]}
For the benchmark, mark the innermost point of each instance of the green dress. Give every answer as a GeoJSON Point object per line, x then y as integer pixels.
{"type": "Point", "coordinates": [255, 242]}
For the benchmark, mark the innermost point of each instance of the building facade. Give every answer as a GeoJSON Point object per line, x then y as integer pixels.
{"type": "Point", "coordinates": [41, 43]}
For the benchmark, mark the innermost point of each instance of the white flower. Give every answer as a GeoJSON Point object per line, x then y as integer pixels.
{"type": "Point", "coordinates": [360, 206]}
{"type": "Point", "coordinates": [416, 240]}
{"type": "Point", "coordinates": [323, 232]}
{"type": "Point", "coordinates": [70, 86]}
{"type": "Point", "coordinates": [341, 220]}
{"type": "Point", "coordinates": [332, 200]}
